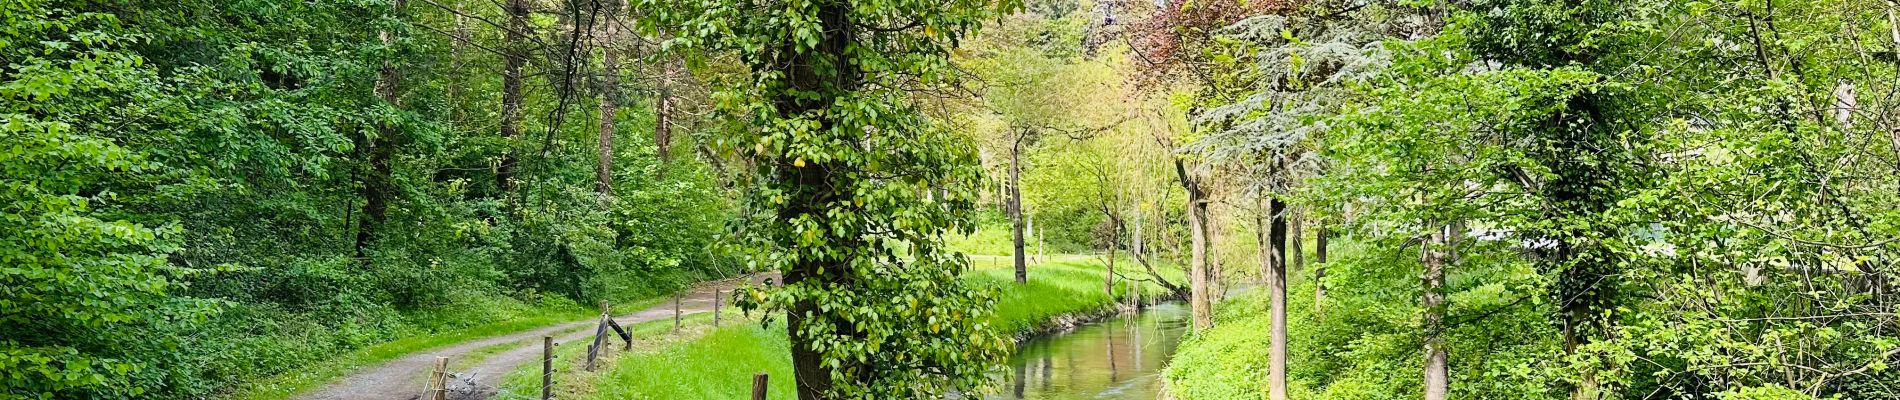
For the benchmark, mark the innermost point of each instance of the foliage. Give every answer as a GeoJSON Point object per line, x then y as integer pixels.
{"type": "Point", "coordinates": [1365, 343]}
{"type": "Point", "coordinates": [1687, 241]}
{"type": "Point", "coordinates": [77, 278]}
{"type": "Point", "coordinates": [188, 179]}
{"type": "Point", "coordinates": [857, 189]}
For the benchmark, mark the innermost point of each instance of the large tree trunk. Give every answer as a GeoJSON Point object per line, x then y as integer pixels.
{"type": "Point", "coordinates": [1016, 208]}
{"type": "Point", "coordinates": [378, 187]}
{"type": "Point", "coordinates": [609, 102]}
{"type": "Point", "coordinates": [812, 377]}
{"type": "Point", "coordinates": [1276, 288]}
{"type": "Point", "coordinates": [516, 55]}
{"type": "Point", "coordinates": [1433, 301]}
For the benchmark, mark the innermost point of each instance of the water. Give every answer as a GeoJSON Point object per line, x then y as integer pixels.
{"type": "Point", "coordinates": [1116, 358]}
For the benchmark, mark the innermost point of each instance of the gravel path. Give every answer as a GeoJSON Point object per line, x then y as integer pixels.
{"type": "Point", "coordinates": [404, 378]}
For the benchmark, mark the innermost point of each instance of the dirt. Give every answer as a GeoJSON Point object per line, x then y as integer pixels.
{"type": "Point", "coordinates": [405, 378]}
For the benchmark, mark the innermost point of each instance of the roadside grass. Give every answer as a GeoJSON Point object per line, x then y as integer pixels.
{"type": "Point", "coordinates": [310, 377]}
{"type": "Point", "coordinates": [719, 363]}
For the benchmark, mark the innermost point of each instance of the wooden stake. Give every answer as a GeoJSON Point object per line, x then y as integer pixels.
{"type": "Point", "coordinates": [547, 367]}
{"type": "Point", "coordinates": [758, 387]}
{"type": "Point", "coordinates": [439, 380]}
{"type": "Point", "coordinates": [676, 313]}
{"type": "Point", "coordinates": [715, 306]}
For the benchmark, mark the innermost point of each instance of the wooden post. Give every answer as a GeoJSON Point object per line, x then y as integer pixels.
{"type": "Point", "coordinates": [439, 380]}
{"type": "Point", "coordinates": [758, 386]}
{"type": "Point", "coordinates": [547, 367]}
{"type": "Point", "coordinates": [595, 349]}
{"type": "Point", "coordinates": [715, 306]}
{"type": "Point", "coordinates": [676, 313]}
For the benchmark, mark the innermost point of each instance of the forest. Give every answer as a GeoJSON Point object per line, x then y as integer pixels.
{"type": "Point", "coordinates": [907, 199]}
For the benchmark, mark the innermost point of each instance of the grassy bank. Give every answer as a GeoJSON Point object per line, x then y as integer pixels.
{"type": "Point", "coordinates": [414, 332]}
{"type": "Point", "coordinates": [1364, 341]}
{"type": "Point", "coordinates": [707, 363]}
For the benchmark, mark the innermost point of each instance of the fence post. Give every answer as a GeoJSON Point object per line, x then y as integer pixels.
{"type": "Point", "coordinates": [715, 306]}
{"type": "Point", "coordinates": [758, 386]}
{"type": "Point", "coordinates": [676, 313]}
{"type": "Point", "coordinates": [547, 367]}
{"type": "Point", "coordinates": [438, 380]}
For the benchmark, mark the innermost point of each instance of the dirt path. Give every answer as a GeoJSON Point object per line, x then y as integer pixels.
{"type": "Point", "coordinates": [404, 378]}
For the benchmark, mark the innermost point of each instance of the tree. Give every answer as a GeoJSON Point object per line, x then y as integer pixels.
{"type": "Point", "coordinates": [378, 186]}
{"type": "Point", "coordinates": [514, 56]}
{"type": "Point", "coordinates": [609, 101]}
{"type": "Point", "coordinates": [846, 163]}
{"type": "Point", "coordinates": [1038, 91]}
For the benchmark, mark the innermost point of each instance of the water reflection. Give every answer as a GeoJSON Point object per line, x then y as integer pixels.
{"type": "Point", "coordinates": [1118, 358]}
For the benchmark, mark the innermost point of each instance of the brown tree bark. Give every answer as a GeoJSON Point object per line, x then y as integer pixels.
{"type": "Point", "coordinates": [515, 41]}
{"type": "Point", "coordinates": [378, 187]}
{"type": "Point", "coordinates": [609, 102]}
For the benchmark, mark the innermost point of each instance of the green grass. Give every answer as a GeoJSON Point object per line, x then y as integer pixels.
{"type": "Point", "coordinates": [720, 363]}
{"type": "Point", "coordinates": [1073, 285]}
{"type": "Point", "coordinates": [300, 380]}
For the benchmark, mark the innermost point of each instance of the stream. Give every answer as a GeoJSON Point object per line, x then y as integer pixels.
{"type": "Point", "coordinates": [1115, 358]}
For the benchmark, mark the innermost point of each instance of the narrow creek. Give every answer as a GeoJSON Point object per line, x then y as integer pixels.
{"type": "Point", "coordinates": [1116, 358]}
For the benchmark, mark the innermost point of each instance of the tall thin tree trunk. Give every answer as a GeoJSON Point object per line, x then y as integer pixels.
{"type": "Point", "coordinates": [379, 185]}
{"type": "Point", "coordinates": [1295, 242]}
{"type": "Point", "coordinates": [1320, 234]}
{"type": "Point", "coordinates": [1216, 290]}
{"type": "Point", "coordinates": [1433, 255]}
{"type": "Point", "coordinates": [1016, 208]}
{"type": "Point", "coordinates": [663, 119]}
{"type": "Point", "coordinates": [609, 101]}
{"type": "Point", "coordinates": [1276, 287]}
{"type": "Point", "coordinates": [1108, 281]}
{"type": "Point", "coordinates": [511, 97]}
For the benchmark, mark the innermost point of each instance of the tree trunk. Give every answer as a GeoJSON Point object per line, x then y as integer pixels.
{"type": "Point", "coordinates": [1198, 295]}
{"type": "Point", "coordinates": [609, 102]}
{"type": "Point", "coordinates": [1433, 301]}
{"type": "Point", "coordinates": [511, 97]}
{"type": "Point", "coordinates": [1295, 242]}
{"type": "Point", "coordinates": [378, 187]}
{"type": "Point", "coordinates": [1108, 282]}
{"type": "Point", "coordinates": [1320, 235]}
{"type": "Point", "coordinates": [1016, 208]}
{"type": "Point", "coordinates": [816, 70]}
{"type": "Point", "coordinates": [1276, 287]}
{"type": "Point", "coordinates": [1202, 308]}
{"type": "Point", "coordinates": [663, 119]}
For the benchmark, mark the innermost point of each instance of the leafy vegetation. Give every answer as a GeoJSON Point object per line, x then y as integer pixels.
{"type": "Point", "coordinates": [200, 194]}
